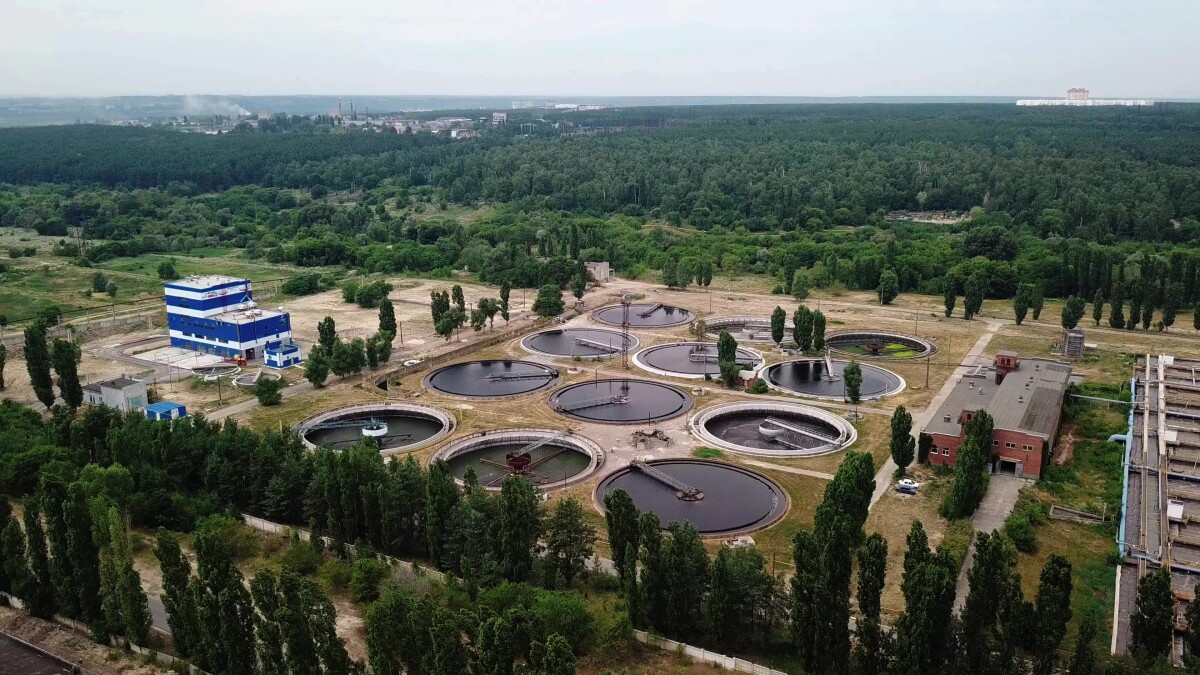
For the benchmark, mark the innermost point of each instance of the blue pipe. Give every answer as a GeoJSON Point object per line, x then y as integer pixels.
{"type": "Point", "coordinates": [1128, 437]}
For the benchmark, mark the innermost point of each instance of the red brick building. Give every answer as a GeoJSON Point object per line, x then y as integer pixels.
{"type": "Point", "coordinates": [1024, 398]}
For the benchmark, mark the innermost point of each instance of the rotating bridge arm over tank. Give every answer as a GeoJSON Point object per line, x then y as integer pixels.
{"type": "Point", "coordinates": [650, 311]}
{"type": "Point", "coordinates": [520, 376]}
{"type": "Point", "coordinates": [596, 345]}
{"type": "Point", "coordinates": [572, 406]}
{"type": "Point", "coordinates": [682, 490]}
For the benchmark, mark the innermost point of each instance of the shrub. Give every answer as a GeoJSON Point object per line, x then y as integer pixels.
{"type": "Point", "coordinates": [759, 387]}
{"type": "Point", "coordinates": [1019, 530]}
{"type": "Point", "coordinates": [240, 539]}
{"type": "Point", "coordinates": [302, 558]}
{"type": "Point", "coordinates": [335, 574]}
{"type": "Point", "coordinates": [566, 614]}
{"type": "Point", "coordinates": [365, 579]}
{"type": "Point", "coordinates": [268, 391]}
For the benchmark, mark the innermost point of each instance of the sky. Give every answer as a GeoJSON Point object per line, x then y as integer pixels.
{"type": "Point", "coordinates": [1116, 48]}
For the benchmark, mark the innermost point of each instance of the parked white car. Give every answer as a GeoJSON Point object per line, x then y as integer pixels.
{"type": "Point", "coordinates": [908, 482]}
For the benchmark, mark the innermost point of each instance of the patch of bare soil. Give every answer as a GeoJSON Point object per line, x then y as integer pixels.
{"type": "Point", "coordinates": [73, 647]}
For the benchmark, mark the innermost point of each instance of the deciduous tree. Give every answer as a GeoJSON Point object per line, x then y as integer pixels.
{"type": "Point", "coordinates": [387, 317]}
{"type": "Point", "coordinates": [69, 388]}
{"type": "Point", "coordinates": [1153, 613]}
{"type": "Point", "coordinates": [569, 539]}
{"type": "Point", "coordinates": [327, 334]}
{"type": "Point", "coordinates": [852, 376]}
{"type": "Point", "coordinates": [520, 526]}
{"type": "Point", "coordinates": [549, 301]}
{"type": "Point", "coordinates": [621, 516]}
{"type": "Point", "coordinates": [889, 287]}
{"type": "Point", "coordinates": [870, 653]}
{"type": "Point", "coordinates": [903, 445]}
{"type": "Point", "coordinates": [778, 319]}
{"type": "Point", "coordinates": [37, 362]}
{"type": "Point", "coordinates": [1053, 612]}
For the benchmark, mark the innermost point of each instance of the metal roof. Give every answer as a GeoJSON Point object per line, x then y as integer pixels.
{"type": "Point", "coordinates": [115, 383]}
{"type": "Point", "coordinates": [1029, 399]}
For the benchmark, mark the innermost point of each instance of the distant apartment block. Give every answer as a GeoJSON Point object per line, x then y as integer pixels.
{"type": "Point", "coordinates": [1078, 96]}
{"type": "Point", "coordinates": [499, 118]}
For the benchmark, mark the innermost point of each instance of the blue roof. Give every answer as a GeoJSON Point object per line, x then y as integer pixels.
{"type": "Point", "coordinates": [283, 349]}
{"type": "Point", "coordinates": [163, 406]}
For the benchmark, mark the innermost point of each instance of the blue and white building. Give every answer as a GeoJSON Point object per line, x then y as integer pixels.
{"type": "Point", "coordinates": [216, 314]}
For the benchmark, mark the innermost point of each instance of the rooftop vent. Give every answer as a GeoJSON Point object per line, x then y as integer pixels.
{"type": "Point", "coordinates": [1021, 398]}
{"type": "Point", "coordinates": [1037, 366]}
{"type": "Point", "coordinates": [971, 385]}
{"type": "Point", "coordinates": [981, 391]}
{"type": "Point", "coordinates": [946, 417]}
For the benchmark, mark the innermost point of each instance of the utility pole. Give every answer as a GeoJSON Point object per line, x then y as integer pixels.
{"type": "Point", "coordinates": [927, 357]}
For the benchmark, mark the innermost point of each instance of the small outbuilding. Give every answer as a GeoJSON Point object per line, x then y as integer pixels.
{"type": "Point", "coordinates": [165, 411]}
{"type": "Point", "coordinates": [123, 393]}
{"type": "Point", "coordinates": [282, 355]}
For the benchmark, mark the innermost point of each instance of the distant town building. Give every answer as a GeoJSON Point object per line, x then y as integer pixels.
{"type": "Point", "coordinates": [1024, 398]}
{"type": "Point", "coordinates": [599, 271]}
{"type": "Point", "coordinates": [499, 118]}
{"type": "Point", "coordinates": [1078, 96]}
{"type": "Point", "coordinates": [165, 411]}
{"type": "Point", "coordinates": [216, 314]}
{"type": "Point", "coordinates": [123, 393]}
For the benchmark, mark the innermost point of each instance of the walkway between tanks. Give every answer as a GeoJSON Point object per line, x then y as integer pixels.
{"type": "Point", "coordinates": [789, 469]}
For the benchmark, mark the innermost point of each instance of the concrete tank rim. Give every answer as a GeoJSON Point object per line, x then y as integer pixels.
{"type": "Point", "coordinates": [598, 499]}
{"type": "Point", "coordinates": [578, 441]}
{"type": "Point", "coordinates": [696, 426]}
{"type": "Point", "coordinates": [720, 322]}
{"type": "Point", "coordinates": [537, 352]}
{"type": "Point", "coordinates": [640, 363]}
{"type": "Point", "coordinates": [499, 397]}
{"type": "Point", "coordinates": [267, 374]}
{"type": "Point", "coordinates": [929, 346]}
{"type": "Point", "coordinates": [449, 422]}
{"type": "Point", "coordinates": [774, 387]}
{"type": "Point", "coordinates": [689, 317]}
{"type": "Point", "coordinates": [691, 401]}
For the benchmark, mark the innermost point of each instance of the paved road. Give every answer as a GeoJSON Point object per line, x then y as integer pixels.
{"type": "Point", "coordinates": [883, 479]}
{"type": "Point", "coordinates": [997, 504]}
{"type": "Point", "coordinates": [158, 614]}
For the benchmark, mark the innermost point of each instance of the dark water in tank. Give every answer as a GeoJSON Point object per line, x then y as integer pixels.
{"type": "Point", "coordinates": [741, 428]}
{"type": "Point", "coordinates": [648, 401]}
{"type": "Point", "coordinates": [562, 342]}
{"type": "Point", "coordinates": [808, 377]}
{"type": "Point", "coordinates": [555, 463]}
{"type": "Point", "coordinates": [470, 378]}
{"type": "Point", "coordinates": [734, 499]}
{"type": "Point", "coordinates": [403, 430]}
{"type": "Point", "coordinates": [677, 358]}
{"type": "Point", "coordinates": [657, 316]}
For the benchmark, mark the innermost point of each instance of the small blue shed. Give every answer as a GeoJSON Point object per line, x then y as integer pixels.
{"type": "Point", "coordinates": [165, 410]}
{"type": "Point", "coordinates": [282, 355]}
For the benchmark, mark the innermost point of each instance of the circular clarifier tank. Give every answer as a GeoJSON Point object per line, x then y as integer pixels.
{"type": "Point", "coordinates": [772, 429]}
{"type": "Point", "coordinates": [879, 344]}
{"type": "Point", "coordinates": [621, 401]}
{"type": "Point", "coordinates": [394, 427]}
{"type": "Point", "coordinates": [691, 359]}
{"type": "Point", "coordinates": [742, 328]}
{"type": "Point", "coordinates": [718, 499]}
{"type": "Point", "coordinates": [812, 377]}
{"type": "Point", "coordinates": [579, 342]}
{"type": "Point", "coordinates": [644, 315]}
{"type": "Point", "coordinates": [545, 457]}
{"type": "Point", "coordinates": [483, 379]}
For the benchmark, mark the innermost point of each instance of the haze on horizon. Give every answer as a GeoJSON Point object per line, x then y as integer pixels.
{"type": "Point", "coordinates": [601, 48]}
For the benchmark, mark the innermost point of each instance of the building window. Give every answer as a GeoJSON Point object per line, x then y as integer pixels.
{"type": "Point", "coordinates": [995, 442]}
{"type": "Point", "coordinates": [1010, 445]}
{"type": "Point", "coordinates": [1027, 448]}
{"type": "Point", "coordinates": [946, 452]}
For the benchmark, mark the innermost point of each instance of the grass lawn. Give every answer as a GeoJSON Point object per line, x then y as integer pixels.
{"type": "Point", "coordinates": [1089, 549]}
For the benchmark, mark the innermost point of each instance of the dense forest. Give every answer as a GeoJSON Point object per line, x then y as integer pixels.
{"type": "Point", "coordinates": [1077, 202]}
